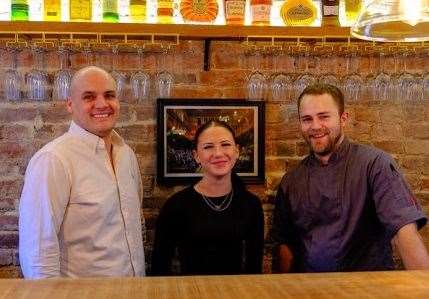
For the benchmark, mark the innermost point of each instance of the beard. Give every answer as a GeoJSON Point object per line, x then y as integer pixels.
{"type": "Point", "coordinates": [325, 145]}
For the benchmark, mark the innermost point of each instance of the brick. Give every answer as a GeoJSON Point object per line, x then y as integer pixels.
{"type": "Point", "coordinates": [415, 112]}
{"type": "Point", "coordinates": [140, 133]}
{"type": "Point", "coordinates": [147, 164]}
{"type": "Point", "coordinates": [273, 180]}
{"type": "Point", "coordinates": [223, 78]}
{"type": "Point", "coordinates": [425, 184]}
{"type": "Point", "coordinates": [144, 113]}
{"type": "Point", "coordinates": [412, 164]}
{"type": "Point", "coordinates": [367, 115]}
{"type": "Point", "coordinates": [10, 272]}
{"type": "Point", "coordinates": [387, 131]}
{"type": "Point", "coordinates": [196, 91]}
{"type": "Point", "coordinates": [8, 222]}
{"type": "Point", "coordinates": [392, 147]}
{"type": "Point", "coordinates": [224, 55]}
{"type": "Point", "coordinates": [238, 92]}
{"type": "Point", "coordinates": [6, 257]}
{"type": "Point", "coordinates": [51, 131]}
{"type": "Point", "coordinates": [302, 148]}
{"type": "Point", "coordinates": [283, 131]}
{"type": "Point", "coordinates": [420, 147]}
{"type": "Point", "coordinates": [17, 114]}
{"type": "Point", "coordinates": [8, 240]}
{"type": "Point", "coordinates": [275, 113]}
{"type": "Point", "coordinates": [359, 130]}
{"type": "Point", "coordinates": [275, 165]}
{"type": "Point", "coordinates": [15, 132]}
{"type": "Point", "coordinates": [13, 149]}
{"type": "Point", "coordinates": [417, 131]}
{"type": "Point", "coordinates": [10, 189]}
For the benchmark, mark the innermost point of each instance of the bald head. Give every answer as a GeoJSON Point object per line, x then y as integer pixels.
{"type": "Point", "coordinates": [85, 73]}
{"type": "Point", "coordinates": [93, 103]}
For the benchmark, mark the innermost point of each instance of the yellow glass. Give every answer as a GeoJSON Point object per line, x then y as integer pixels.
{"type": "Point", "coordinates": [81, 10]}
{"type": "Point", "coordinates": [52, 10]}
{"type": "Point", "coordinates": [165, 11]}
{"type": "Point", "coordinates": [298, 12]}
{"type": "Point", "coordinates": [138, 10]}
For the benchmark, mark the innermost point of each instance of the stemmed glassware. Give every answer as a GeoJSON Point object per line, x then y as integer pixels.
{"type": "Point", "coordinates": [352, 82]}
{"type": "Point", "coordinates": [120, 77]}
{"type": "Point", "coordinates": [305, 78]}
{"type": "Point", "coordinates": [12, 80]}
{"type": "Point", "coordinates": [281, 83]}
{"type": "Point", "coordinates": [382, 82]}
{"type": "Point", "coordinates": [62, 81]}
{"type": "Point", "coordinates": [325, 54]}
{"type": "Point", "coordinates": [256, 85]}
{"type": "Point", "coordinates": [369, 90]}
{"type": "Point", "coordinates": [408, 86]}
{"type": "Point", "coordinates": [425, 80]}
{"type": "Point", "coordinates": [37, 78]}
{"type": "Point", "coordinates": [140, 80]}
{"type": "Point", "coordinates": [164, 79]}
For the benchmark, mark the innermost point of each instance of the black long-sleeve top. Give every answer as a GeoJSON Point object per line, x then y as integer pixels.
{"type": "Point", "coordinates": [208, 241]}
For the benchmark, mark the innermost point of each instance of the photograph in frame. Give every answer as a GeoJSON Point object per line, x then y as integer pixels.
{"type": "Point", "coordinates": [178, 120]}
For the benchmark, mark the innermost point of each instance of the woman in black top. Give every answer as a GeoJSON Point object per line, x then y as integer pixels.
{"type": "Point", "coordinates": [216, 225]}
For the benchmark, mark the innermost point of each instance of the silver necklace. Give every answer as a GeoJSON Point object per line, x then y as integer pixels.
{"type": "Point", "coordinates": [224, 204]}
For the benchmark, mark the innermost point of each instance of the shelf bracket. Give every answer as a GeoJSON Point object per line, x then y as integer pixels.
{"type": "Point", "coordinates": [207, 43]}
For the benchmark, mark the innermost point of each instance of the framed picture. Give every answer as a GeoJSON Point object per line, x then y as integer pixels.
{"type": "Point", "coordinates": [178, 120]}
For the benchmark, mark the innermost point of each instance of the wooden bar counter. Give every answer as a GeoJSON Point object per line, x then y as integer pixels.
{"type": "Point", "coordinates": [395, 284]}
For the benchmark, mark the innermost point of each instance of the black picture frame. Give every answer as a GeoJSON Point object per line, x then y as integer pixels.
{"type": "Point", "coordinates": [177, 121]}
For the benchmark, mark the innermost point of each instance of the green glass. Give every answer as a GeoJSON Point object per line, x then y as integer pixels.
{"type": "Point", "coordinates": [110, 11]}
{"type": "Point", "coordinates": [19, 10]}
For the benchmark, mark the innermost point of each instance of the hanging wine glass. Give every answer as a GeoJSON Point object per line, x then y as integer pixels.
{"type": "Point", "coordinates": [352, 82]}
{"type": "Point", "coordinates": [409, 87]}
{"type": "Point", "coordinates": [88, 55]}
{"type": "Point", "coordinates": [37, 78]}
{"type": "Point", "coordinates": [164, 79]}
{"type": "Point", "coordinates": [140, 80]}
{"type": "Point", "coordinates": [382, 81]}
{"type": "Point", "coordinates": [12, 79]}
{"type": "Point", "coordinates": [369, 90]}
{"type": "Point", "coordinates": [120, 77]}
{"type": "Point", "coordinates": [281, 83]}
{"type": "Point", "coordinates": [424, 53]}
{"type": "Point", "coordinates": [256, 82]}
{"type": "Point", "coordinates": [325, 53]}
{"type": "Point", "coordinates": [63, 77]}
{"type": "Point", "coordinates": [305, 78]}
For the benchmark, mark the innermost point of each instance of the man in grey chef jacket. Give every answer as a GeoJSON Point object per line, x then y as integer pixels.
{"type": "Point", "coordinates": [345, 204]}
{"type": "Point", "coordinates": [80, 208]}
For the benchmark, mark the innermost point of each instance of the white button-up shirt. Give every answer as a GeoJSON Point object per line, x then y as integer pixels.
{"type": "Point", "coordinates": [78, 216]}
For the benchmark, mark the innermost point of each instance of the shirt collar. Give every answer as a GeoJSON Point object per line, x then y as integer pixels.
{"type": "Point", "coordinates": [95, 142]}
{"type": "Point", "coordinates": [337, 155]}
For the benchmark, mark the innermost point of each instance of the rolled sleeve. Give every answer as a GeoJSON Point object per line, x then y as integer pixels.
{"type": "Point", "coordinates": [42, 206]}
{"type": "Point", "coordinates": [395, 204]}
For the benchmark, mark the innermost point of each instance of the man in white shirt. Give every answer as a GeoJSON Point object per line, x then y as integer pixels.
{"type": "Point", "coordinates": [80, 208]}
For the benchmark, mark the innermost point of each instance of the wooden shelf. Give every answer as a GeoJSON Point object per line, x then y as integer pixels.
{"type": "Point", "coordinates": [183, 30]}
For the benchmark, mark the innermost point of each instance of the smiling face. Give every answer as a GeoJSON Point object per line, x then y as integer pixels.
{"type": "Point", "coordinates": [93, 103]}
{"type": "Point", "coordinates": [322, 126]}
{"type": "Point", "coordinates": [216, 151]}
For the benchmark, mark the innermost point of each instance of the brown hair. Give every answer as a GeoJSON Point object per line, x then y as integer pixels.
{"type": "Point", "coordinates": [209, 124]}
{"type": "Point", "coordinates": [321, 88]}
{"type": "Point", "coordinates": [237, 182]}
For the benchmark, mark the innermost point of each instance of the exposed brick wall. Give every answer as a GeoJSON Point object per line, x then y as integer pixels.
{"type": "Point", "coordinates": [400, 127]}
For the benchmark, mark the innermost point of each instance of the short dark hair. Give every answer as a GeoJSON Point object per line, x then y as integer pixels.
{"type": "Point", "coordinates": [321, 88]}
